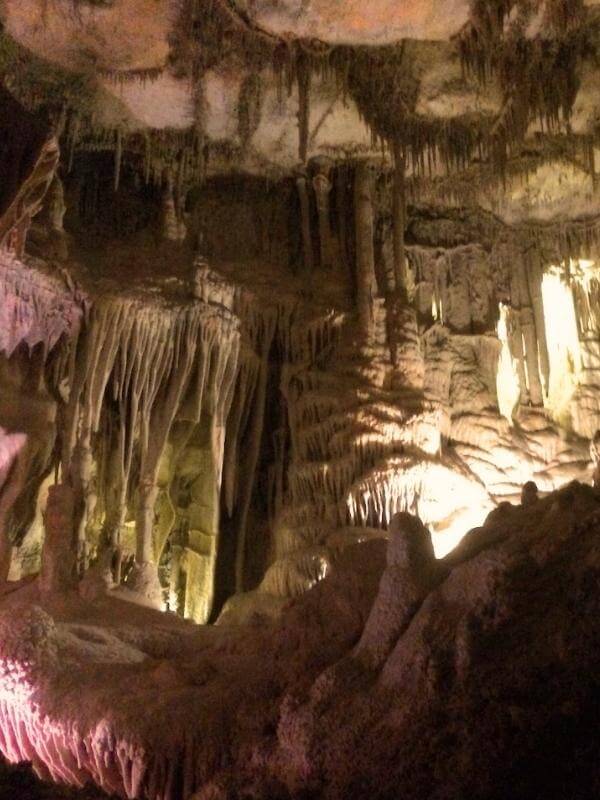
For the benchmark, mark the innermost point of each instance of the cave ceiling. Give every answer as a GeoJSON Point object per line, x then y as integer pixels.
{"type": "Point", "coordinates": [490, 94]}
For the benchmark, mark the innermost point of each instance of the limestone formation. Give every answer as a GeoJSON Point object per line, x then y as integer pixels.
{"type": "Point", "coordinates": [595, 455]}
{"type": "Point", "coordinates": [59, 557]}
{"type": "Point", "coordinates": [529, 494]}
{"type": "Point", "coordinates": [300, 336]}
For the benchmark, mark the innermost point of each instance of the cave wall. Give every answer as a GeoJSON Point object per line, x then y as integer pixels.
{"type": "Point", "coordinates": [264, 378]}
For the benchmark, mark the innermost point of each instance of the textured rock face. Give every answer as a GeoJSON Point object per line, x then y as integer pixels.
{"type": "Point", "coordinates": [83, 34]}
{"type": "Point", "coordinates": [35, 308]}
{"type": "Point", "coordinates": [352, 22]}
{"type": "Point", "coordinates": [11, 444]}
{"type": "Point", "coordinates": [217, 68]}
{"type": "Point", "coordinates": [266, 301]}
{"type": "Point", "coordinates": [485, 673]}
{"type": "Point", "coordinates": [128, 36]}
{"type": "Point", "coordinates": [238, 437]}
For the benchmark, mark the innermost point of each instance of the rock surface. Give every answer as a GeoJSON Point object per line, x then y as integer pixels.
{"type": "Point", "coordinates": [487, 677]}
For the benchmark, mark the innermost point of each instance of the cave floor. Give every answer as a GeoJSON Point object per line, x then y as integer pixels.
{"type": "Point", "coordinates": [496, 646]}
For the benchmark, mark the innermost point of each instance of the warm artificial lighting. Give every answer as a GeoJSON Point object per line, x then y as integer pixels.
{"type": "Point", "coordinates": [563, 341]}
{"type": "Point", "coordinates": [507, 379]}
{"type": "Point", "coordinates": [448, 535]}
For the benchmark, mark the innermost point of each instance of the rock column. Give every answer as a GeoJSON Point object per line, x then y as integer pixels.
{"type": "Point", "coordinates": [365, 253]}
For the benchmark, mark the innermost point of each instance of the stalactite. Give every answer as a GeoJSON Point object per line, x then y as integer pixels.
{"type": "Point", "coordinates": [27, 201]}
{"type": "Point", "coordinates": [73, 139]}
{"type": "Point", "coordinates": [531, 356]}
{"type": "Point", "coordinates": [9, 493]}
{"type": "Point", "coordinates": [85, 497]}
{"type": "Point", "coordinates": [172, 230]}
{"type": "Point", "coordinates": [537, 81]}
{"type": "Point", "coordinates": [249, 107]}
{"type": "Point", "coordinates": [250, 367]}
{"type": "Point", "coordinates": [199, 122]}
{"type": "Point", "coordinates": [147, 157]}
{"type": "Point", "coordinates": [147, 358]}
{"type": "Point", "coordinates": [114, 486]}
{"type": "Point", "coordinates": [35, 307]}
{"type": "Point", "coordinates": [160, 420]}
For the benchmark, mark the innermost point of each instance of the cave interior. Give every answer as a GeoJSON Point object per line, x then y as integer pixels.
{"type": "Point", "coordinates": [300, 399]}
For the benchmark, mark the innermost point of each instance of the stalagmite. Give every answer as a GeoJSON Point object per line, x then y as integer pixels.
{"type": "Point", "coordinates": [410, 574]}
{"type": "Point", "coordinates": [529, 495]}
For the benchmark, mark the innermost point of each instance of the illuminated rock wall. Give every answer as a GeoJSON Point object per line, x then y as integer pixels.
{"type": "Point", "coordinates": [203, 420]}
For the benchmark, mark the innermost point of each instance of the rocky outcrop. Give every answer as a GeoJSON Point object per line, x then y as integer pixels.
{"type": "Point", "coordinates": [456, 678]}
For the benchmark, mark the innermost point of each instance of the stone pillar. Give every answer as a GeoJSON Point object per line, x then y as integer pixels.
{"type": "Point", "coordinates": [307, 248]}
{"type": "Point", "coordinates": [81, 477]}
{"type": "Point", "coordinates": [173, 227]}
{"type": "Point", "coordinates": [399, 218]}
{"type": "Point", "coordinates": [531, 356]}
{"type": "Point", "coordinates": [366, 283]}
{"type": "Point", "coordinates": [148, 493]}
{"type": "Point", "coordinates": [534, 277]}
{"type": "Point", "coordinates": [59, 552]}
{"type": "Point", "coordinates": [322, 187]}
{"type": "Point", "coordinates": [515, 343]}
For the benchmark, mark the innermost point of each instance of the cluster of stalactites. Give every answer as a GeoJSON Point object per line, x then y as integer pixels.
{"type": "Point", "coordinates": [34, 307]}
{"type": "Point", "coordinates": [157, 156]}
{"type": "Point", "coordinates": [138, 366]}
{"type": "Point", "coordinates": [534, 50]}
